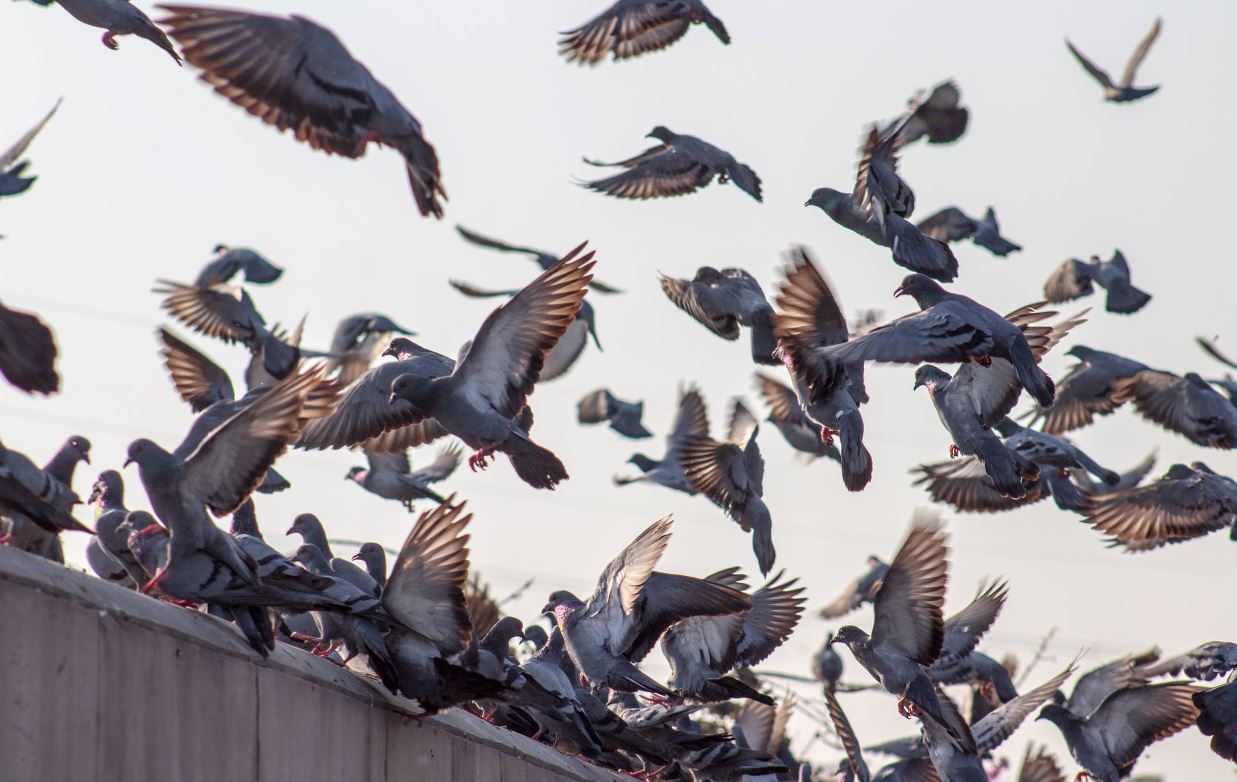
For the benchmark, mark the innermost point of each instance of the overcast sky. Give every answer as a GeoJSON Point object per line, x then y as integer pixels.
{"type": "Point", "coordinates": [144, 170]}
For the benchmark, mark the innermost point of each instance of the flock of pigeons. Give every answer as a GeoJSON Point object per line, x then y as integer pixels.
{"type": "Point", "coordinates": [428, 630]}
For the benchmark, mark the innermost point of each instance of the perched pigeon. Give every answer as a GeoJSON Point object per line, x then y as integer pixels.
{"type": "Point", "coordinates": [691, 422]}
{"type": "Point", "coordinates": [1217, 718]}
{"type": "Point", "coordinates": [852, 766]}
{"type": "Point", "coordinates": [1074, 279]}
{"type": "Point", "coordinates": [1124, 91]}
{"type": "Point", "coordinates": [358, 341]}
{"type": "Point", "coordinates": [939, 116]}
{"type": "Point", "coordinates": [681, 164]}
{"type": "Point", "coordinates": [391, 477]}
{"type": "Point", "coordinates": [27, 352]}
{"type": "Point", "coordinates": [312, 533]}
{"type": "Point", "coordinates": [787, 415]}
{"type": "Point", "coordinates": [1205, 662]}
{"type": "Point", "coordinates": [542, 258]}
{"type": "Point", "coordinates": [809, 319]}
{"type": "Point", "coordinates": [30, 493]}
{"type": "Point", "coordinates": [11, 180]}
{"type": "Point", "coordinates": [630, 28]}
{"type": "Point", "coordinates": [374, 558]}
{"type": "Point", "coordinates": [1187, 405]}
{"type": "Point", "coordinates": [862, 590]}
{"type": "Point", "coordinates": [231, 261]}
{"type": "Point", "coordinates": [1186, 503]}
{"type": "Point", "coordinates": [118, 17]}
{"type": "Point", "coordinates": [623, 417]}
{"type": "Point", "coordinates": [703, 649]}
{"type": "Point", "coordinates": [721, 301]}
{"type": "Point", "coordinates": [1087, 390]}
{"type": "Point", "coordinates": [908, 629]}
{"type": "Point", "coordinates": [630, 609]}
{"type": "Point", "coordinates": [951, 224]}
{"type": "Point", "coordinates": [295, 74]}
{"type": "Point", "coordinates": [731, 474]}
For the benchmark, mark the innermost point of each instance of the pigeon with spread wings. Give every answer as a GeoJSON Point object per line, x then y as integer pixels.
{"type": "Point", "coordinates": [1123, 91]}
{"type": "Point", "coordinates": [681, 164]}
{"type": "Point", "coordinates": [630, 28]}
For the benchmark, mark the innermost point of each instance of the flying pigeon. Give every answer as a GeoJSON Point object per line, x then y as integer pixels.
{"type": "Point", "coordinates": [623, 417]}
{"type": "Point", "coordinates": [959, 662]}
{"type": "Point", "coordinates": [1125, 91]}
{"type": "Point", "coordinates": [1217, 718]}
{"type": "Point", "coordinates": [358, 341]}
{"type": "Point", "coordinates": [681, 164]}
{"type": "Point", "coordinates": [231, 261]}
{"type": "Point", "coordinates": [787, 415]}
{"type": "Point", "coordinates": [118, 17]}
{"type": "Point", "coordinates": [731, 474]}
{"type": "Point", "coordinates": [1049, 450]}
{"type": "Point", "coordinates": [939, 116]}
{"type": "Point", "coordinates": [721, 301]}
{"type": "Point", "coordinates": [951, 224]}
{"type": "Point", "coordinates": [630, 609]}
{"type": "Point", "coordinates": [1087, 390]}
{"type": "Point", "coordinates": [691, 421]}
{"type": "Point", "coordinates": [853, 766]}
{"type": "Point", "coordinates": [630, 28]}
{"type": "Point", "coordinates": [391, 477]}
{"type": "Point", "coordinates": [862, 590]}
{"type": "Point", "coordinates": [293, 73]}
{"type": "Point", "coordinates": [27, 352]}
{"type": "Point", "coordinates": [1205, 662]}
{"type": "Point", "coordinates": [1074, 279]}
{"type": "Point", "coordinates": [1187, 405]}
{"type": "Point", "coordinates": [11, 180]}
{"type": "Point", "coordinates": [542, 258]}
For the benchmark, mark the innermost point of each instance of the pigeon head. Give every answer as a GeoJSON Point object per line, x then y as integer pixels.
{"type": "Point", "coordinates": [536, 635]}
{"type": "Point", "coordinates": [1056, 713]}
{"type": "Point", "coordinates": [148, 456]}
{"type": "Point", "coordinates": [108, 488]}
{"type": "Point", "coordinates": [850, 635]}
{"type": "Point", "coordinates": [305, 524]}
{"type": "Point", "coordinates": [372, 555]}
{"type": "Point", "coordinates": [932, 377]}
{"type": "Point", "coordinates": [498, 639]}
{"type": "Point", "coordinates": [414, 389]}
{"type": "Point", "coordinates": [827, 199]}
{"type": "Point", "coordinates": [1080, 352]}
{"type": "Point", "coordinates": [79, 446]}
{"type": "Point", "coordinates": [709, 275]}
{"type": "Point", "coordinates": [1179, 472]}
{"type": "Point", "coordinates": [924, 290]}
{"type": "Point", "coordinates": [401, 348]}
{"type": "Point", "coordinates": [662, 133]}
{"type": "Point", "coordinates": [312, 558]}
{"type": "Point", "coordinates": [356, 474]}
{"type": "Point", "coordinates": [220, 248]}
{"type": "Point", "coordinates": [561, 605]}
{"type": "Point", "coordinates": [643, 462]}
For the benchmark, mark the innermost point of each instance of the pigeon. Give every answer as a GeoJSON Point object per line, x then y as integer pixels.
{"type": "Point", "coordinates": [1108, 740]}
{"type": "Point", "coordinates": [231, 261]}
{"type": "Point", "coordinates": [223, 311]}
{"type": "Point", "coordinates": [1074, 279]}
{"type": "Point", "coordinates": [630, 609]}
{"type": "Point", "coordinates": [490, 385]}
{"type": "Point", "coordinates": [852, 767]}
{"type": "Point", "coordinates": [880, 192]}
{"type": "Point", "coordinates": [908, 629]}
{"type": "Point", "coordinates": [959, 662]}
{"type": "Point", "coordinates": [1125, 91]}
{"type": "Point", "coordinates": [1186, 503]}
{"type": "Point", "coordinates": [955, 328]}
{"type": "Point", "coordinates": [567, 350]}
{"type": "Point", "coordinates": [1048, 450]}
{"type": "Point", "coordinates": [691, 422]}
{"type": "Point", "coordinates": [623, 417]}
{"type": "Point", "coordinates": [27, 352]}
{"type": "Point", "coordinates": [358, 341]}
{"type": "Point", "coordinates": [1128, 479]}
{"type": "Point", "coordinates": [630, 28]}
{"type": "Point", "coordinates": [390, 475]}
{"type": "Point", "coordinates": [721, 301]}
{"type": "Point", "coordinates": [30, 493]}
{"type": "Point", "coordinates": [681, 164]}
{"type": "Point", "coordinates": [703, 649]}
{"type": "Point", "coordinates": [862, 590]}
{"type": "Point", "coordinates": [374, 558]}
{"type": "Point", "coordinates": [293, 73]}
{"type": "Point", "coordinates": [1209, 347]}
{"type": "Point", "coordinates": [310, 528]}
{"type": "Point", "coordinates": [566, 720]}
{"type": "Point", "coordinates": [809, 319]}
{"type": "Point", "coordinates": [542, 258]}
{"type": "Point", "coordinates": [11, 180]}
{"type": "Point", "coordinates": [1038, 765]}
{"type": "Point", "coordinates": [60, 467]}
{"type": "Point", "coordinates": [939, 117]}
{"type": "Point", "coordinates": [731, 474]}
{"type": "Point", "coordinates": [1217, 718]}
{"type": "Point", "coordinates": [951, 224]}
{"type": "Point", "coordinates": [1087, 390]}
{"type": "Point", "coordinates": [1205, 662]}
{"type": "Point", "coordinates": [788, 417]}
{"type": "Point", "coordinates": [118, 17]}
{"type": "Point", "coordinates": [1187, 405]}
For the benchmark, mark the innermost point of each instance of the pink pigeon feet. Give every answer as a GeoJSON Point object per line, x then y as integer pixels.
{"type": "Point", "coordinates": [907, 709]}
{"type": "Point", "coordinates": [1081, 775]}
{"type": "Point", "coordinates": [369, 136]}
{"type": "Point", "coordinates": [109, 40]}
{"type": "Point", "coordinates": [478, 461]}
{"type": "Point", "coordinates": [6, 539]}
{"type": "Point", "coordinates": [153, 584]}
{"type": "Point", "coordinates": [826, 436]}
{"type": "Point", "coordinates": [954, 451]}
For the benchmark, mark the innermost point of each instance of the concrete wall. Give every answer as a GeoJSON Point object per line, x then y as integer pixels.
{"type": "Point", "coordinates": [99, 683]}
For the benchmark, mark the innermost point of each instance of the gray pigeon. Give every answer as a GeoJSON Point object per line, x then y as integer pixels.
{"type": "Point", "coordinates": [852, 768]}
{"type": "Point", "coordinates": [118, 17]}
{"type": "Point", "coordinates": [1186, 503]}
{"type": "Point", "coordinates": [11, 180]}
{"type": "Point", "coordinates": [60, 468]}
{"type": "Point", "coordinates": [310, 528]}
{"type": "Point", "coordinates": [827, 665]}
{"type": "Point", "coordinates": [957, 663]}
{"type": "Point", "coordinates": [1124, 91]}
{"type": "Point", "coordinates": [1074, 279]}
{"type": "Point", "coordinates": [630, 28]}
{"type": "Point", "coordinates": [390, 475]}
{"type": "Point", "coordinates": [32, 494]}
{"type": "Point", "coordinates": [681, 164]}
{"type": "Point", "coordinates": [938, 116]}
{"type": "Point", "coordinates": [787, 415]}
{"type": "Point", "coordinates": [691, 421]}
{"type": "Point", "coordinates": [566, 721]}
{"type": "Point", "coordinates": [908, 629]}
{"type": "Point", "coordinates": [293, 73]}
{"type": "Point", "coordinates": [1087, 390]}
{"type": "Point", "coordinates": [1187, 405]}
{"type": "Point", "coordinates": [1048, 450]}
{"type": "Point", "coordinates": [231, 261]}
{"type": "Point", "coordinates": [222, 311]}
{"type": "Point", "coordinates": [489, 388]}
{"type": "Point", "coordinates": [1217, 718]}
{"type": "Point", "coordinates": [542, 258]}
{"type": "Point", "coordinates": [27, 352]}
{"type": "Point", "coordinates": [862, 590]}
{"type": "Point", "coordinates": [630, 609]}
{"type": "Point", "coordinates": [721, 301]}
{"type": "Point", "coordinates": [731, 474]}
{"type": "Point", "coordinates": [1205, 662]}
{"type": "Point", "coordinates": [374, 558]}
{"type": "Point", "coordinates": [623, 417]}
{"type": "Point", "coordinates": [951, 224]}
{"type": "Point", "coordinates": [358, 341]}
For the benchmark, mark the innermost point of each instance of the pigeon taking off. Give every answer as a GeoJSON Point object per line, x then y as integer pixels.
{"type": "Point", "coordinates": [542, 258]}
{"type": "Point", "coordinates": [27, 352]}
{"type": "Point", "coordinates": [1189, 406]}
{"type": "Point", "coordinates": [118, 17]}
{"type": "Point", "coordinates": [940, 116]}
{"type": "Point", "coordinates": [1124, 91]}
{"type": "Point", "coordinates": [630, 28]}
{"type": "Point", "coordinates": [1074, 279]}
{"type": "Point", "coordinates": [231, 261]}
{"type": "Point", "coordinates": [1087, 390]}
{"type": "Point", "coordinates": [11, 180]}
{"type": "Point", "coordinates": [623, 417]}
{"type": "Point", "coordinates": [390, 475]}
{"type": "Point", "coordinates": [721, 301]}
{"type": "Point", "coordinates": [1186, 503]}
{"type": "Point", "coordinates": [681, 164]}
{"type": "Point", "coordinates": [951, 224]}
{"type": "Point", "coordinates": [295, 74]}
{"type": "Point", "coordinates": [691, 422]}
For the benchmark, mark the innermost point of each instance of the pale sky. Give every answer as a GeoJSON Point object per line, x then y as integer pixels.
{"type": "Point", "coordinates": [144, 170]}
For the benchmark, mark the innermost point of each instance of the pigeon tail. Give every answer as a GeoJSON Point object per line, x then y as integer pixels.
{"type": "Point", "coordinates": [1033, 379]}
{"type": "Point", "coordinates": [762, 536]}
{"type": "Point", "coordinates": [728, 687]}
{"type": "Point", "coordinates": [921, 692]}
{"type": "Point", "coordinates": [764, 344]}
{"type": "Point", "coordinates": [628, 678]}
{"type": "Point", "coordinates": [1002, 466]}
{"type": "Point", "coordinates": [1065, 494]}
{"type": "Point", "coordinates": [856, 460]}
{"type": "Point", "coordinates": [255, 625]}
{"type": "Point", "coordinates": [1125, 299]}
{"type": "Point", "coordinates": [536, 466]}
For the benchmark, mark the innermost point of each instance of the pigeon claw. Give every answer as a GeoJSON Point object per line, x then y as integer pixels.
{"type": "Point", "coordinates": [826, 436]}
{"type": "Point", "coordinates": [1081, 775]}
{"type": "Point", "coordinates": [954, 451]}
{"type": "Point", "coordinates": [479, 460]}
{"type": "Point", "coordinates": [907, 709]}
{"type": "Point", "coordinates": [109, 40]}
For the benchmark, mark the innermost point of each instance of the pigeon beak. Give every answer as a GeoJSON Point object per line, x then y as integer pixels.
{"type": "Point", "coordinates": [901, 291]}
{"type": "Point", "coordinates": [807, 202]}
{"type": "Point", "coordinates": [291, 530]}
{"type": "Point", "coordinates": [392, 398]}
{"type": "Point", "coordinates": [548, 608]}
{"type": "Point", "coordinates": [356, 557]}
{"type": "Point", "coordinates": [86, 458]}
{"type": "Point", "coordinates": [127, 463]}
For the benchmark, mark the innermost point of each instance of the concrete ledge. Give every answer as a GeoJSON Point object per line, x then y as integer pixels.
{"type": "Point", "coordinates": [100, 683]}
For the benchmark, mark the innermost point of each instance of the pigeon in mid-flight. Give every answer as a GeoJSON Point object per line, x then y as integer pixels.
{"type": "Point", "coordinates": [1074, 279]}
{"type": "Point", "coordinates": [630, 28]}
{"type": "Point", "coordinates": [721, 301]}
{"type": "Point", "coordinates": [951, 224]}
{"type": "Point", "coordinates": [1187, 405]}
{"type": "Point", "coordinates": [27, 352]}
{"type": "Point", "coordinates": [691, 421]}
{"type": "Point", "coordinates": [390, 475]}
{"type": "Point", "coordinates": [681, 164]}
{"type": "Point", "coordinates": [117, 17]}
{"type": "Point", "coordinates": [1087, 390]}
{"type": "Point", "coordinates": [623, 417]}
{"type": "Point", "coordinates": [1123, 91]}
{"type": "Point", "coordinates": [939, 116]}
{"type": "Point", "coordinates": [542, 258]}
{"type": "Point", "coordinates": [231, 261]}
{"type": "Point", "coordinates": [11, 180]}
{"type": "Point", "coordinates": [295, 74]}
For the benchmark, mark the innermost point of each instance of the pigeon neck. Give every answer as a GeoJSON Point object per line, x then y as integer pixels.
{"type": "Point", "coordinates": [63, 464]}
